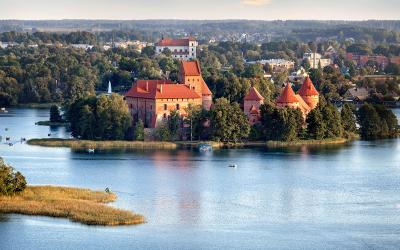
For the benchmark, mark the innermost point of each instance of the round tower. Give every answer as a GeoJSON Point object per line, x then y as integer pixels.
{"type": "Point", "coordinates": [309, 94]}
{"type": "Point", "coordinates": [287, 98]}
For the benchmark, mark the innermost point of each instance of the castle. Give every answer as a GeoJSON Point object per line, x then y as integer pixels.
{"type": "Point", "coordinates": [184, 49]}
{"type": "Point", "coordinates": [152, 101]}
{"type": "Point", "coordinates": [306, 100]}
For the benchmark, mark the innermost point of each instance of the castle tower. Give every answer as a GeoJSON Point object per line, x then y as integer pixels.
{"type": "Point", "coordinates": [252, 102]}
{"type": "Point", "coordinates": [190, 75]}
{"type": "Point", "coordinates": [309, 94]}
{"type": "Point", "coordinates": [287, 98]}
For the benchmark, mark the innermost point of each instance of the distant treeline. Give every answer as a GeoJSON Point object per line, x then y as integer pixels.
{"type": "Point", "coordinates": [152, 30]}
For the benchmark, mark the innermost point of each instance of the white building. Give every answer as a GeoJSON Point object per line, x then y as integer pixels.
{"type": "Point", "coordinates": [184, 49]}
{"type": "Point", "coordinates": [316, 59]}
{"type": "Point", "coordinates": [82, 46]}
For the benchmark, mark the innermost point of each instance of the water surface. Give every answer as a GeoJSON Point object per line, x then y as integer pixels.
{"type": "Point", "coordinates": [307, 198]}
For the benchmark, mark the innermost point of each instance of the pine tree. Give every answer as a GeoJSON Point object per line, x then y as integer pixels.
{"type": "Point", "coordinates": [316, 126]}
{"type": "Point", "coordinates": [139, 131]}
{"type": "Point", "coordinates": [348, 119]}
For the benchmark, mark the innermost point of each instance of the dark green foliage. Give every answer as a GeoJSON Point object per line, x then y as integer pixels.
{"type": "Point", "coordinates": [316, 126]}
{"type": "Point", "coordinates": [163, 133]}
{"type": "Point", "coordinates": [55, 114]}
{"type": "Point", "coordinates": [376, 121]}
{"type": "Point", "coordinates": [228, 121]}
{"type": "Point", "coordinates": [281, 124]}
{"type": "Point", "coordinates": [106, 117]}
{"type": "Point", "coordinates": [139, 131]}
{"type": "Point", "coordinates": [333, 121]}
{"type": "Point", "coordinates": [174, 123]}
{"type": "Point", "coordinates": [11, 182]}
{"type": "Point", "coordinates": [348, 119]}
{"type": "Point", "coordinates": [197, 122]}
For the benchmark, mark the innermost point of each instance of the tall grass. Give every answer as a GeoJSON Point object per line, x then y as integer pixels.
{"type": "Point", "coordinates": [333, 141]}
{"type": "Point", "coordinates": [79, 205]}
{"type": "Point", "coordinates": [102, 145]}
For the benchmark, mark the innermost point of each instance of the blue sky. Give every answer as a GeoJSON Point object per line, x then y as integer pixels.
{"type": "Point", "coordinates": [200, 9]}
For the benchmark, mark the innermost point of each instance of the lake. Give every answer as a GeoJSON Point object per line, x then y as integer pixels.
{"type": "Point", "coordinates": [337, 197]}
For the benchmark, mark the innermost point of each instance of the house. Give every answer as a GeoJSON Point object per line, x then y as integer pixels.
{"type": "Point", "coordinates": [277, 65]}
{"type": "Point", "coordinates": [356, 94]}
{"type": "Point", "coordinates": [252, 102]}
{"type": "Point", "coordinates": [184, 49]}
{"type": "Point", "coordinates": [152, 101]}
{"type": "Point", "coordinates": [361, 60]}
{"type": "Point", "coordinates": [306, 99]}
{"type": "Point", "coordinates": [316, 60]}
{"type": "Point", "coordinates": [298, 76]}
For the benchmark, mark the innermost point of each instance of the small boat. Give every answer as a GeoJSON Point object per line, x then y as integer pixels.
{"type": "Point", "coordinates": [7, 138]}
{"type": "Point", "coordinates": [90, 150]}
{"type": "Point", "coordinates": [232, 166]}
{"type": "Point", "coordinates": [10, 144]}
{"type": "Point", "coordinates": [4, 110]}
{"type": "Point", "coordinates": [204, 147]}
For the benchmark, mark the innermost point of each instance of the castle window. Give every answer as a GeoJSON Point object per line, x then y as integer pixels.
{"type": "Point", "coordinates": [177, 106]}
{"type": "Point", "coordinates": [165, 107]}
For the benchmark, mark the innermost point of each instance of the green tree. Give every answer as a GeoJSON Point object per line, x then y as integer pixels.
{"type": "Point", "coordinates": [370, 122]}
{"type": "Point", "coordinates": [316, 126]}
{"type": "Point", "coordinates": [11, 182]}
{"type": "Point", "coordinates": [163, 133]}
{"type": "Point", "coordinates": [228, 121]}
{"type": "Point", "coordinates": [55, 115]}
{"type": "Point", "coordinates": [333, 121]}
{"type": "Point", "coordinates": [348, 119]}
{"type": "Point", "coordinates": [139, 131]}
{"type": "Point", "coordinates": [174, 123]}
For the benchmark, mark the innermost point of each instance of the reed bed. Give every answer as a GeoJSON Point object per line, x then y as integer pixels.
{"type": "Point", "coordinates": [101, 145]}
{"type": "Point", "coordinates": [78, 205]}
{"type": "Point", "coordinates": [275, 144]}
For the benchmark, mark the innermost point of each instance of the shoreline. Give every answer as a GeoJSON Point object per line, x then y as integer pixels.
{"type": "Point", "coordinates": [151, 145]}
{"type": "Point", "coordinates": [76, 204]}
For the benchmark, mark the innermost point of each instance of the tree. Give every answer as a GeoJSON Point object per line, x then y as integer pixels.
{"type": "Point", "coordinates": [174, 123]}
{"type": "Point", "coordinates": [228, 121]}
{"type": "Point", "coordinates": [348, 119]}
{"type": "Point", "coordinates": [163, 133]}
{"type": "Point", "coordinates": [55, 114]}
{"type": "Point", "coordinates": [106, 117]}
{"type": "Point", "coordinates": [369, 121]}
{"type": "Point", "coordinates": [332, 119]}
{"type": "Point", "coordinates": [281, 124]}
{"type": "Point", "coordinates": [139, 131]}
{"type": "Point", "coordinates": [316, 126]}
{"type": "Point", "coordinates": [11, 182]}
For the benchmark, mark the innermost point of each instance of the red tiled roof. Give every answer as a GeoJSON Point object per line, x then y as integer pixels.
{"type": "Point", "coordinates": [160, 89]}
{"type": "Point", "coordinates": [303, 105]}
{"type": "Point", "coordinates": [307, 88]}
{"type": "Point", "coordinates": [204, 88]}
{"type": "Point", "coordinates": [191, 68]}
{"type": "Point", "coordinates": [253, 95]}
{"type": "Point", "coordinates": [175, 42]}
{"type": "Point", "coordinates": [288, 95]}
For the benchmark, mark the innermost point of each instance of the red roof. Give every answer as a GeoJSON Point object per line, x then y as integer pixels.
{"type": "Point", "coordinates": [160, 89]}
{"type": "Point", "coordinates": [191, 68]}
{"type": "Point", "coordinates": [307, 88]}
{"type": "Point", "coordinates": [288, 95]}
{"type": "Point", "coordinates": [175, 42]}
{"type": "Point", "coordinates": [253, 95]}
{"type": "Point", "coordinates": [204, 88]}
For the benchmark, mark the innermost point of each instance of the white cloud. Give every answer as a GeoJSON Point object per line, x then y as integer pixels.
{"type": "Point", "coordinates": [256, 2]}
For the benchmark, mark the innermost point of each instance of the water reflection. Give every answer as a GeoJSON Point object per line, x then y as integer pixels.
{"type": "Point", "coordinates": [325, 197]}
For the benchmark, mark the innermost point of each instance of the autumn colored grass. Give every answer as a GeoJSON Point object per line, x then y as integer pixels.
{"type": "Point", "coordinates": [334, 141]}
{"type": "Point", "coordinates": [79, 205]}
{"type": "Point", "coordinates": [101, 145]}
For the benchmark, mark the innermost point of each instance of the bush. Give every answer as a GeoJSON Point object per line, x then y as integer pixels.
{"type": "Point", "coordinates": [163, 133]}
{"type": "Point", "coordinates": [55, 115]}
{"type": "Point", "coordinates": [11, 182]}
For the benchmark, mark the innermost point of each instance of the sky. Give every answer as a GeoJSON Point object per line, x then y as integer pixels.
{"type": "Point", "coordinates": [201, 9]}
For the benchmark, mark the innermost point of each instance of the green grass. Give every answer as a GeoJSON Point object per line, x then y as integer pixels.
{"type": "Point", "coordinates": [78, 205]}
{"type": "Point", "coordinates": [101, 145]}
